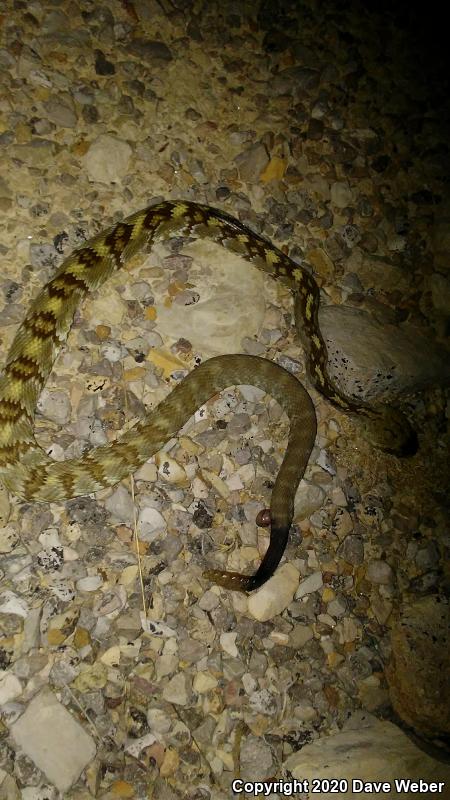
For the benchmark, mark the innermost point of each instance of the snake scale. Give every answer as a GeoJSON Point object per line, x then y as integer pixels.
{"type": "Point", "coordinates": [29, 472]}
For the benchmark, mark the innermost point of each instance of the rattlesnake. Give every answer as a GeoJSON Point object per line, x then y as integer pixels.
{"type": "Point", "coordinates": [29, 472]}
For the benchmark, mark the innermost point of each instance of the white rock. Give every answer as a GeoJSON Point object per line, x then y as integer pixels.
{"type": "Point", "coordinates": [228, 643]}
{"type": "Point", "coordinates": [150, 523]}
{"type": "Point", "coordinates": [107, 159]}
{"type": "Point", "coordinates": [204, 682]}
{"type": "Point", "coordinates": [370, 750]}
{"type": "Point", "coordinates": [249, 683]}
{"type": "Point", "coordinates": [348, 630]}
{"type": "Point", "coordinates": [56, 452]}
{"type": "Point", "coordinates": [341, 194]}
{"type": "Point", "coordinates": [275, 595]}
{"type": "Point", "coordinates": [398, 359]}
{"type": "Point", "coordinates": [38, 793]}
{"type": "Point", "coordinates": [169, 469]}
{"type": "Point", "coordinates": [234, 482]}
{"type": "Point", "coordinates": [31, 630]}
{"type": "Point", "coordinates": [10, 687]}
{"type": "Point", "coordinates": [199, 489]}
{"type": "Point", "coordinates": [310, 584]}
{"type": "Point", "coordinates": [90, 583]}
{"type": "Point", "coordinates": [279, 638]}
{"type": "Point", "coordinates": [156, 628]}
{"type": "Point", "coordinates": [120, 504]}
{"type": "Point", "coordinates": [11, 604]}
{"type": "Point", "coordinates": [137, 745]}
{"type": "Point", "coordinates": [231, 304]}
{"type": "Point", "coordinates": [305, 711]}
{"type": "Point", "coordinates": [113, 352]}
{"type": "Point", "coordinates": [49, 538]}
{"type": "Point", "coordinates": [65, 749]}
{"type": "Point", "coordinates": [158, 720]}
{"type": "Point", "coordinates": [216, 482]}
{"type": "Point", "coordinates": [308, 498]}
{"type": "Point", "coordinates": [166, 665]}
{"type": "Point", "coordinates": [147, 472]}
{"type": "Point", "coordinates": [129, 574]}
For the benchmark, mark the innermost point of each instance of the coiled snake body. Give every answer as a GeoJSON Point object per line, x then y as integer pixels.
{"type": "Point", "coordinates": [29, 472]}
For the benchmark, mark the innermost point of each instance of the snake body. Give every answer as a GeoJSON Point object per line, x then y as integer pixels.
{"type": "Point", "coordinates": [29, 472]}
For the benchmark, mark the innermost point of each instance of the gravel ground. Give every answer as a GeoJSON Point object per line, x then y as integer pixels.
{"type": "Point", "coordinates": [325, 127]}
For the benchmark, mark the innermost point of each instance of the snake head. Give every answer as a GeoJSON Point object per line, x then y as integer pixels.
{"type": "Point", "coordinates": [389, 430]}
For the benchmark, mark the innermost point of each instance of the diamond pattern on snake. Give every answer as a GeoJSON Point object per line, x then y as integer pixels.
{"type": "Point", "coordinates": [30, 473]}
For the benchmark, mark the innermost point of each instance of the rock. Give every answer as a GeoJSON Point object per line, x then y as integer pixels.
{"type": "Point", "coordinates": [381, 607]}
{"type": "Point", "coordinates": [337, 607]}
{"type": "Point", "coordinates": [348, 630]}
{"type": "Point", "coordinates": [272, 598]}
{"type": "Point", "coordinates": [65, 749]}
{"type": "Point", "coordinates": [208, 324]}
{"type": "Point", "coordinates": [61, 113]}
{"type": "Point", "coordinates": [342, 523]}
{"type": "Point", "coordinates": [418, 671]}
{"type": "Point", "coordinates": [55, 406]}
{"type": "Point", "coordinates": [147, 472]}
{"type": "Point", "coordinates": [308, 498]}
{"type": "Point", "coordinates": [341, 194]}
{"type": "Point", "coordinates": [378, 274]}
{"type": "Point", "coordinates": [300, 636]}
{"type": "Point", "coordinates": [204, 682]}
{"type": "Point", "coordinates": [310, 584]}
{"type": "Point", "coordinates": [305, 711]}
{"type": "Point", "coordinates": [176, 690]}
{"type": "Point", "coordinates": [191, 651]}
{"type": "Point", "coordinates": [150, 523]}
{"type": "Point", "coordinates": [352, 549]}
{"type": "Point", "coordinates": [294, 80]}
{"type": "Point", "coordinates": [256, 759]}
{"type": "Point", "coordinates": [90, 583]}
{"type": "Point", "coordinates": [108, 159]}
{"type": "Point", "coordinates": [321, 262]}
{"type": "Point", "coordinates": [169, 469]}
{"type": "Point", "coordinates": [11, 603]}
{"type": "Point", "coordinates": [10, 687]}
{"type": "Point", "coordinates": [120, 504]}
{"type": "Point", "coordinates": [252, 162]}
{"type": "Point", "coordinates": [35, 153]}
{"type": "Point", "coordinates": [152, 51]}
{"type": "Point", "coordinates": [379, 572]}
{"type": "Point", "coordinates": [228, 643]}
{"type": "Point", "coordinates": [369, 750]}
{"type": "Point", "coordinates": [371, 694]}
{"type": "Point", "coordinates": [166, 361]}
{"type": "Point", "coordinates": [372, 358]}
